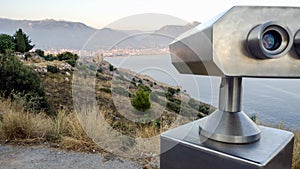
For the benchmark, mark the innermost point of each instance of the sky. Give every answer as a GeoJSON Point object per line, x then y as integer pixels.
{"type": "Point", "coordinates": [100, 13]}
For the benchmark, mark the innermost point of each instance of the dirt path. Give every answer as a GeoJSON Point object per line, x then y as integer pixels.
{"type": "Point", "coordinates": [12, 157]}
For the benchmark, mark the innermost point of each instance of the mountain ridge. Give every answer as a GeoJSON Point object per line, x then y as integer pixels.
{"type": "Point", "coordinates": [61, 34]}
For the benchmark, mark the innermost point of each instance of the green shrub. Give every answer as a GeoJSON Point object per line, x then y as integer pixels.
{"type": "Point", "coordinates": [172, 91]}
{"type": "Point", "coordinates": [52, 69]}
{"type": "Point", "coordinates": [100, 70]}
{"type": "Point", "coordinates": [17, 78]}
{"type": "Point", "coordinates": [50, 57]}
{"type": "Point", "coordinates": [6, 43]}
{"type": "Point", "coordinates": [200, 115]}
{"type": "Point", "coordinates": [173, 107]}
{"type": "Point", "coordinates": [141, 102]}
{"type": "Point", "coordinates": [111, 67]}
{"type": "Point", "coordinates": [72, 62]}
{"type": "Point", "coordinates": [40, 52]}
{"type": "Point", "coordinates": [143, 87]}
{"type": "Point", "coordinates": [67, 56]}
{"type": "Point", "coordinates": [197, 105]}
{"type": "Point", "coordinates": [157, 123]}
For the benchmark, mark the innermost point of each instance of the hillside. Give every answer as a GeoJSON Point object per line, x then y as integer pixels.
{"type": "Point", "coordinates": [94, 106]}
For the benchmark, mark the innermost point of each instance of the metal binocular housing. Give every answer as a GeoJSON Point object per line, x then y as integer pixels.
{"type": "Point", "coordinates": [244, 41]}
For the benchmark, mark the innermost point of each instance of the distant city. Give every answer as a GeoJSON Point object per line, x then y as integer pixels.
{"type": "Point", "coordinates": [112, 52]}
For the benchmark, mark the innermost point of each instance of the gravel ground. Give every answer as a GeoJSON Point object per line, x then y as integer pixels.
{"type": "Point", "coordinates": [12, 157]}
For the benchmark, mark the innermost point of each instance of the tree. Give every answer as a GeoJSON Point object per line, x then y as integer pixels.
{"type": "Point", "coordinates": [6, 43]}
{"type": "Point", "coordinates": [141, 102]}
{"type": "Point", "coordinates": [68, 57]}
{"type": "Point", "coordinates": [22, 42]}
{"type": "Point", "coordinates": [28, 46]}
{"type": "Point", "coordinates": [40, 52]}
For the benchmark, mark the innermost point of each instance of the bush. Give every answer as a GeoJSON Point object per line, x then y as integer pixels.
{"type": "Point", "coordinates": [6, 43]}
{"type": "Point", "coordinates": [40, 52]}
{"type": "Point", "coordinates": [172, 91]}
{"type": "Point", "coordinates": [111, 67]}
{"type": "Point", "coordinates": [143, 87]}
{"type": "Point", "coordinates": [50, 57]}
{"type": "Point", "coordinates": [100, 70]}
{"type": "Point", "coordinates": [204, 108]}
{"type": "Point", "coordinates": [141, 102]}
{"type": "Point", "coordinates": [173, 106]}
{"type": "Point", "coordinates": [72, 62]}
{"type": "Point", "coordinates": [19, 79]}
{"type": "Point", "coordinates": [67, 56]}
{"type": "Point", "coordinates": [201, 107]}
{"type": "Point", "coordinates": [52, 69]}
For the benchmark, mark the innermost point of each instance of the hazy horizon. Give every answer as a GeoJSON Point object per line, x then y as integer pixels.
{"type": "Point", "coordinates": [99, 13]}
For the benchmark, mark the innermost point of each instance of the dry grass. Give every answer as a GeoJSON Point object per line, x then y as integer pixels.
{"type": "Point", "coordinates": [23, 125]}
{"type": "Point", "coordinates": [16, 124]}
{"type": "Point", "coordinates": [71, 131]}
{"type": "Point", "coordinates": [296, 153]}
{"type": "Point", "coordinates": [67, 129]}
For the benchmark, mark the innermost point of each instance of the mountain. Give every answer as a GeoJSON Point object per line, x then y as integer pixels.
{"type": "Point", "coordinates": [165, 35]}
{"type": "Point", "coordinates": [49, 33]}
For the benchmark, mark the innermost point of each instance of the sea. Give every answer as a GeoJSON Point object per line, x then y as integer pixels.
{"type": "Point", "coordinates": [273, 101]}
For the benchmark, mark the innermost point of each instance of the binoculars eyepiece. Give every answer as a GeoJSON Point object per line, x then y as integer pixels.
{"type": "Point", "coordinates": [270, 40]}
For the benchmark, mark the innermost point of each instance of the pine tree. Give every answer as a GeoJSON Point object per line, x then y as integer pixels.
{"type": "Point", "coordinates": [141, 102]}
{"type": "Point", "coordinates": [20, 41]}
{"type": "Point", "coordinates": [28, 46]}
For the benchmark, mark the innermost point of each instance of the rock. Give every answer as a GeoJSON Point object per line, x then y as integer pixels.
{"type": "Point", "coordinates": [66, 66]}
{"type": "Point", "coordinates": [68, 74]}
{"type": "Point", "coordinates": [41, 70]}
{"type": "Point", "coordinates": [67, 79]}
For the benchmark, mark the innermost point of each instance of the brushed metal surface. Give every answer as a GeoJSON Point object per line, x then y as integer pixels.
{"type": "Point", "coordinates": [229, 127]}
{"type": "Point", "coordinates": [230, 94]}
{"type": "Point", "coordinates": [183, 148]}
{"type": "Point", "coordinates": [218, 48]}
{"type": "Point", "coordinates": [229, 123]}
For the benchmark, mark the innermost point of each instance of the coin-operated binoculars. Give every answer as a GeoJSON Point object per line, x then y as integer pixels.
{"type": "Point", "coordinates": [261, 42]}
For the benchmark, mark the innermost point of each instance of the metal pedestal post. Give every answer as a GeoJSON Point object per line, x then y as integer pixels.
{"type": "Point", "coordinates": [226, 139]}
{"type": "Point", "coordinates": [229, 123]}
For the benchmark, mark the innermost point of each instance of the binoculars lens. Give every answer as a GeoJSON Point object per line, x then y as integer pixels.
{"type": "Point", "coordinates": [271, 40]}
